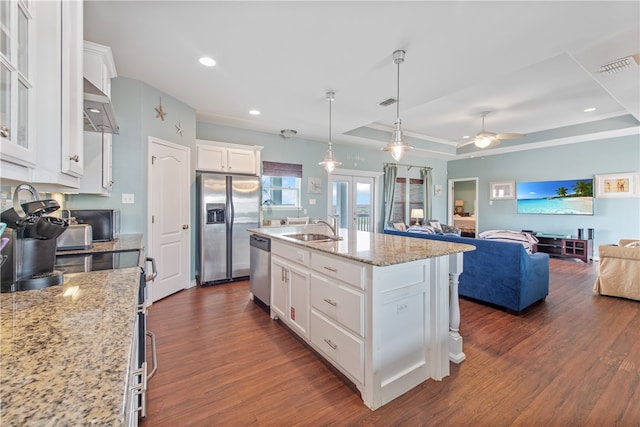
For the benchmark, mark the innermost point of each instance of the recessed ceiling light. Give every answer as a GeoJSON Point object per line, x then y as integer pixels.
{"type": "Point", "coordinates": [206, 61]}
{"type": "Point", "coordinates": [466, 137]}
{"type": "Point", "coordinates": [588, 110]}
{"type": "Point", "coordinates": [254, 112]}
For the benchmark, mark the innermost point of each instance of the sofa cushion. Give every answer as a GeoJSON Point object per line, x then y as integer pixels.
{"type": "Point", "coordinates": [524, 238]}
{"type": "Point", "coordinates": [633, 244]}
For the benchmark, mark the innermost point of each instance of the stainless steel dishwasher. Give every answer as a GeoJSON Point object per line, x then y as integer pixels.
{"type": "Point", "coordinates": [260, 268]}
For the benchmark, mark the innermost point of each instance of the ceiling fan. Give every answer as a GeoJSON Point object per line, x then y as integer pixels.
{"type": "Point", "coordinates": [484, 138]}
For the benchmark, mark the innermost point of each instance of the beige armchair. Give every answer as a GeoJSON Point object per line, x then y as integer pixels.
{"type": "Point", "coordinates": [619, 270]}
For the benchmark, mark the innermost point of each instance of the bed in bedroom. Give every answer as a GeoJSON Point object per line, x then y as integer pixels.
{"type": "Point", "coordinates": [467, 225]}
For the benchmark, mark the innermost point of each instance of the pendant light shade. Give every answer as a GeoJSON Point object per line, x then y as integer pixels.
{"type": "Point", "coordinates": [330, 162]}
{"type": "Point", "coordinates": [397, 147]}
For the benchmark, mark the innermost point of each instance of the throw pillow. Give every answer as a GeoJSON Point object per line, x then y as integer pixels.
{"type": "Point", "coordinates": [447, 229]}
{"type": "Point", "coordinates": [399, 226]}
{"type": "Point", "coordinates": [635, 244]}
{"type": "Point", "coordinates": [436, 225]}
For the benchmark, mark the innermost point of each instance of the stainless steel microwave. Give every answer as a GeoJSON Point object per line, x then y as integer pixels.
{"type": "Point", "coordinates": [104, 222]}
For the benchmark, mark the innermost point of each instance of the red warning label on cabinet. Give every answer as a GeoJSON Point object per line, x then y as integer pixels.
{"type": "Point", "coordinates": [293, 313]}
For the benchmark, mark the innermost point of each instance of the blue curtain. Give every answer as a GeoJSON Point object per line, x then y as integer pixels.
{"type": "Point", "coordinates": [425, 174]}
{"type": "Point", "coordinates": [390, 173]}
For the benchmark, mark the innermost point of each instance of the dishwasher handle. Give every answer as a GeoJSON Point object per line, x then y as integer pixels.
{"type": "Point", "coordinates": [263, 243]}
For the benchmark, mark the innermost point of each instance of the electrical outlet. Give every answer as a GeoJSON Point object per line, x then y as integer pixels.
{"type": "Point", "coordinates": [312, 201]}
{"type": "Point", "coordinates": [128, 198]}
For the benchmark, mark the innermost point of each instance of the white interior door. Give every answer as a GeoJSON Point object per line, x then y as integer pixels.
{"type": "Point", "coordinates": [169, 230]}
{"type": "Point", "coordinates": [352, 201]}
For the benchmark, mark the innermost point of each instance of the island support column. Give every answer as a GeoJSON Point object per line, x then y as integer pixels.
{"type": "Point", "coordinates": [456, 355]}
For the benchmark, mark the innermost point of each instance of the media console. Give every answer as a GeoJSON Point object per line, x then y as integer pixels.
{"type": "Point", "coordinates": [566, 247]}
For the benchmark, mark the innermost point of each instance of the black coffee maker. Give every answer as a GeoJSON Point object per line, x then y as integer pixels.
{"type": "Point", "coordinates": [30, 254]}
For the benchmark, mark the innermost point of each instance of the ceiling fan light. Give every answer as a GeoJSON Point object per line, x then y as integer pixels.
{"type": "Point", "coordinates": [483, 142]}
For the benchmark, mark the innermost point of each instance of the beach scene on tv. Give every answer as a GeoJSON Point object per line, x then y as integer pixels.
{"type": "Point", "coordinates": [564, 197]}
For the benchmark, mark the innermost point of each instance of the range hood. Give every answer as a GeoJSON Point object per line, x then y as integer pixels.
{"type": "Point", "coordinates": [98, 113]}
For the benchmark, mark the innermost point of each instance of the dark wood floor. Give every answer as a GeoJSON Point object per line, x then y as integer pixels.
{"type": "Point", "coordinates": [573, 360]}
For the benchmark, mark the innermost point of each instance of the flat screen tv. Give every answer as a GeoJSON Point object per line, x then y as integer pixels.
{"type": "Point", "coordinates": [565, 197]}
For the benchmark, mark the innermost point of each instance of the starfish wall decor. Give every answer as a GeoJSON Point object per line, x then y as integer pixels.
{"type": "Point", "coordinates": [160, 111]}
{"type": "Point", "coordinates": [179, 128]}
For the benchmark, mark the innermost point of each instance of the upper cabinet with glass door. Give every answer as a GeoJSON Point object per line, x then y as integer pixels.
{"type": "Point", "coordinates": [41, 99]}
{"type": "Point", "coordinates": [17, 151]}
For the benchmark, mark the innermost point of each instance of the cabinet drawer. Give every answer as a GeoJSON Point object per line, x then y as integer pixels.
{"type": "Point", "coordinates": [338, 302]}
{"type": "Point", "coordinates": [290, 252]}
{"type": "Point", "coordinates": [332, 266]}
{"type": "Point", "coordinates": [338, 345]}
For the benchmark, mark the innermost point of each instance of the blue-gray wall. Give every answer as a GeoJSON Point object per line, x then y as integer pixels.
{"type": "Point", "coordinates": [613, 219]}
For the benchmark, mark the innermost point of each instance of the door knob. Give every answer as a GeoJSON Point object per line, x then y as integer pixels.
{"type": "Point", "coordinates": [185, 226]}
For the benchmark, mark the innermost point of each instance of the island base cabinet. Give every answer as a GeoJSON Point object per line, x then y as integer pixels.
{"type": "Point", "coordinates": [401, 332]}
{"type": "Point", "coordinates": [290, 294]}
{"type": "Point", "coordinates": [337, 344]}
{"type": "Point", "coordinates": [386, 328]}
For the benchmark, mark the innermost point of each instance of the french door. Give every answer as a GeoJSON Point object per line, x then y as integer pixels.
{"type": "Point", "coordinates": [352, 201]}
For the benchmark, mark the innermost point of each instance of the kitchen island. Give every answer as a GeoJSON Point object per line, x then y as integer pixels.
{"type": "Point", "coordinates": [382, 309]}
{"type": "Point", "coordinates": [66, 351]}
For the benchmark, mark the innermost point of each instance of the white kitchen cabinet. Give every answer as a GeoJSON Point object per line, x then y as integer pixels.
{"type": "Point", "coordinates": [279, 288]}
{"type": "Point", "coordinates": [290, 287]}
{"type": "Point", "coordinates": [59, 95]}
{"type": "Point", "coordinates": [43, 141]}
{"type": "Point", "coordinates": [99, 68]}
{"type": "Point", "coordinates": [214, 156]}
{"type": "Point", "coordinates": [338, 312]}
{"type": "Point", "coordinates": [17, 78]}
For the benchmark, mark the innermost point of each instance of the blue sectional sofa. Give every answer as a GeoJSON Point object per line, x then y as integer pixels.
{"type": "Point", "coordinates": [498, 273]}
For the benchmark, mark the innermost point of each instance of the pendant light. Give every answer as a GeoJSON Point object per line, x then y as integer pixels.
{"type": "Point", "coordinates": [397, 146]}
{"type": "Point", "coordinates": [329, 162]}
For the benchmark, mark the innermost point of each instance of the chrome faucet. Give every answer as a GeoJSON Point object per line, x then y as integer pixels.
{"type": "Point", "coordinates": [333, 225]}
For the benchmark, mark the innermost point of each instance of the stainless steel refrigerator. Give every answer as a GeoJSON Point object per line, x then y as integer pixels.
{"type": "Point", "coordinates": [228, 205]}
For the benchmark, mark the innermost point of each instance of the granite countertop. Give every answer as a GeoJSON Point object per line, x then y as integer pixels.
{"type": "Point", "coordinates": [124, 243]}
{"type": "Point", "coordinates": [371, 248]}
{"type": "Point", "coordinates": [64, 350]}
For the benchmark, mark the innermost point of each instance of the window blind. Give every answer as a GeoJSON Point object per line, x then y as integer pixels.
{"type": "Point", "coordinates": [281, 169]}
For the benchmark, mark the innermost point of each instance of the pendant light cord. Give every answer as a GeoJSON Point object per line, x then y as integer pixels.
{"type": "Point", "coordinates": [398, 94]}
{"type": "Point", "coordinates": [330, 102]}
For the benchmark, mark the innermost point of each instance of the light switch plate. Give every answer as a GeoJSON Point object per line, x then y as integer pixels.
{"type": "Point", "coordinates": [128, 198]}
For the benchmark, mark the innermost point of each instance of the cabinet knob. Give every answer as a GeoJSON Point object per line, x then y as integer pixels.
{"type": "Point", "coordinates": [75, 158]}
{"type": "Point", "coordinates": [4, 131]}
{"type": "Point", "coordinates": [185, 226]}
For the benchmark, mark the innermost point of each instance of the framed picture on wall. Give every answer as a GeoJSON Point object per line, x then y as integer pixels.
{"type": "Point", "coordinates": [314, 185]}
{"type": "Point", "coordinates": [502, 190]}
{"type": "Point", "coordinates": [618, 185]}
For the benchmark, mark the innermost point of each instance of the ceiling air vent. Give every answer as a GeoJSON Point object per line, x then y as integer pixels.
{"type": "Point", "coordinates": [619, 65]}
{"type": "Point", "coordinates": [387, 102]}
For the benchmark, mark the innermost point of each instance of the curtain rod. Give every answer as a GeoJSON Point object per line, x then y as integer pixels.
{"type": "Point", "coordinates": [409, 166]}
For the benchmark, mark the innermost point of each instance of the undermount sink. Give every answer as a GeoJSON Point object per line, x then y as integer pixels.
{"type": "Point", "coordinates": [313, 237]}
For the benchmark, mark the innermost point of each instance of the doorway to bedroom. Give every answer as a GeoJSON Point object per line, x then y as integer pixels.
{"type": "Point", "coordinates": [463, 205]}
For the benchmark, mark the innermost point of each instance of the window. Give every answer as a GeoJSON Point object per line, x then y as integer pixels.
{"type": "Point", "coordinates": [407, 195]}
{"type": "Point", "coordinates": [281, 184]}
